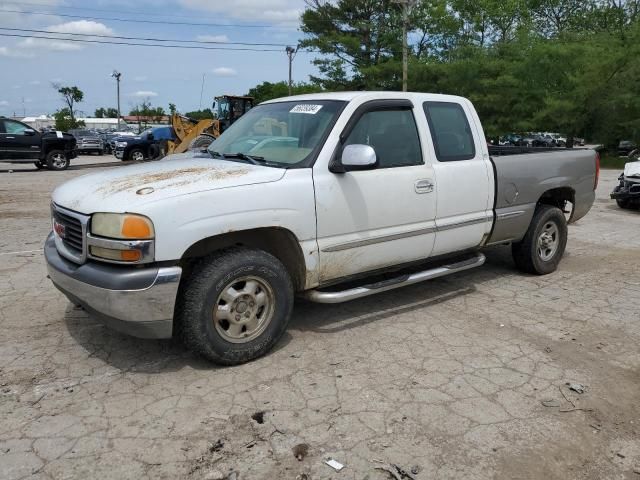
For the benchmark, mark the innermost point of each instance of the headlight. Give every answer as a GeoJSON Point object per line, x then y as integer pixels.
{"type": "Point", "coordinates": [121, 144]}
{"type": "Point", "coordinates": [122, 226]}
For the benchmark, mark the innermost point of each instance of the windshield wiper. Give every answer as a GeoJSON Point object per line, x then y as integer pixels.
{"type": "Point", "coordinates": [243, 156]}
{"type": "Point", "coordinates": [253, 159]}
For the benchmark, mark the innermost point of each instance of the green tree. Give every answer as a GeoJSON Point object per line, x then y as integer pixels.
{"type": "Point", "coordinates": [172, 108]}
{"type": "Point", "coordinates": [147, 113]}
{"type": "Point", "coordinates": [65, 122]}
{"type": "Point", "coordinates": [200, 114]}
{"type": "Point", "coordinates": [70, 96]}
{"type": "Point", "coordinates": [268, 90]}
{"type": "Point", "coordinates": [353, 36]}
{"type": "Point", "coordinates": [108, 112]}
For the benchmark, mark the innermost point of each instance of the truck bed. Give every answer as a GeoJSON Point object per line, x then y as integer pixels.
{"type": "Point", "coordinates": [522, 179]}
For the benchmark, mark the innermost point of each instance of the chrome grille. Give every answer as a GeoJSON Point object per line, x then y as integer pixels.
{"type": "Point", "coordinates": [73, 230]}
{"type": "Point", "coordinates": [70, 233]}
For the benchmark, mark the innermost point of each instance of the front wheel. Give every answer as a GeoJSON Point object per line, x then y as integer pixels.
{"type": "Point", "coordinates": [623, 203]}
{"type": "Point", "coordinates": [235, 306]}
{"type": "Point", "coordinates": [542, 247]}
{"type": "Point", "coordinates": [136, 155]}
{"type": "Point", "coordinates": [57, 160]}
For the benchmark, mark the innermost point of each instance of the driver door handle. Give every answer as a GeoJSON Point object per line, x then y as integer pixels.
{"type": "Point", "coordinates": [424, 186]}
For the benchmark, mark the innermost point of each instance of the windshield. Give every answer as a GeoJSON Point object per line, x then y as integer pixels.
{"type": "Point", "coordinates": [284, 134]}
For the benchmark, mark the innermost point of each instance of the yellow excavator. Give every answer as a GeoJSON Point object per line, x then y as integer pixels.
{"type": "Point", "coordinates": [192, 134]}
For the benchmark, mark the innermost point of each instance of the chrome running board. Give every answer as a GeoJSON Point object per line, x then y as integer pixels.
{"type": "Point", "coordinates": [320, 296]}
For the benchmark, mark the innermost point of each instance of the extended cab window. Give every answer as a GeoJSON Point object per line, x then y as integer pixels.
{"type": "Point", "coordinates": [15, 128]}
{"type": "Point", "coordinates": [450, 131]}
{"type": "Point", "coordinates": [392, 134]}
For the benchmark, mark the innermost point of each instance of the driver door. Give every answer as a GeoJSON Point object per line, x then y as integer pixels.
{"type": "Point", "coordinates": [372, 219]}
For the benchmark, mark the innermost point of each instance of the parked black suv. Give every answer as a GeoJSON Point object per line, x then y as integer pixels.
{"type": "Point", "coordinates": [19, 143]}
{"type": "Point", "coordinates": [148, 145]}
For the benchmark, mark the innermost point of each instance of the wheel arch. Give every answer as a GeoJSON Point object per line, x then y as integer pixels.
{"type": "Point", "coordinates": [279, 242]}
{"type": "Point", "coordinates": [559, 197]}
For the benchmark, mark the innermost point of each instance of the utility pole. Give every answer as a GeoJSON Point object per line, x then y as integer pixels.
{"type": "Point", "coordinates": [117, 76]}
{"type": "Point", "coordinates": [291, 53]}
{"type": "Point", "coordinates": [202, 90]}
{"type": "Point", "coordinates": [406, 7]}
{"type": "Point", "coordinates": [24, 111]}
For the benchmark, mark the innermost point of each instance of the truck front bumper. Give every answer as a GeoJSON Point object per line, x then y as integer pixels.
{"type": "Point", "coordinates": [626, 190]}
{"type": "Point", "coordinates": [136, 301]}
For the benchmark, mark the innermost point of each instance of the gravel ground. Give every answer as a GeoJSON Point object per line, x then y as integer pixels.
{"type": "Point", "coordinates": [461, 377]}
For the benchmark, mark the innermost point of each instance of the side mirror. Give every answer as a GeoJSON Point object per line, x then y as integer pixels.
{"type": "Point", "coordinates": [29, 132]}
{"type": "Point", "coordinates": [359, 157]}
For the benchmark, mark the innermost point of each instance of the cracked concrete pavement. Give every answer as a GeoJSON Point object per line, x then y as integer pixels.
{"type": "Point", "coordinates": [460, 377]}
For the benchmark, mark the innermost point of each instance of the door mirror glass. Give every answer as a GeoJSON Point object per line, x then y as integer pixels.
{"type": "Point", "coordinates": [359, 157]}
{"type": "Point", "coordinates": [29, 132]}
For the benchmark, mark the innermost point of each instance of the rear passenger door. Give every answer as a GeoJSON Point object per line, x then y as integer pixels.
{"type": "Point", "coordinates": [464, 177]}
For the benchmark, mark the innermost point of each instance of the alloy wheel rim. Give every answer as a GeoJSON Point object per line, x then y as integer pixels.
{"type": "Point", "coordinates": [59, 160]}
{"type": "Point", "coordinates": [244, 309]}
{"type": "Point", "coordinates": [548, 240]}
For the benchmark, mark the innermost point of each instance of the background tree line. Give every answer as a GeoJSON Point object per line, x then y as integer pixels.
{"type": "Point", "coordinates": [570, 66]}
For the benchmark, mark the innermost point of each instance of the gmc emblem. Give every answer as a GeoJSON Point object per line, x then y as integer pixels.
{"type": "Point", "coordinates": [59, 229]}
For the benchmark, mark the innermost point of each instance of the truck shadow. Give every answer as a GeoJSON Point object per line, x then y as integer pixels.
{"type": "Point", "coordinates": [334, 318]}
{"type": "Point", "coordinates": [130, 354]}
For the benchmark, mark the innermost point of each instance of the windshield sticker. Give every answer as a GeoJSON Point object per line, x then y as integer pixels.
{"type": "Point", "coordinates": [306, 108]}
{"type": "Point", "coordinates": [58, 134]}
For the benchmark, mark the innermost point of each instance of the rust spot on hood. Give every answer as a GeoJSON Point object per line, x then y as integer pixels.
{"type": "Point", "coordinates": [171, 178]}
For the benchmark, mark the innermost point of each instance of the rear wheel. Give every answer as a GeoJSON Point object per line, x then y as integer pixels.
{"type": "Point", "coordinates": [542, 247]}
{"type": "Point", "coordinates": [235, 306]}
{"type": "Point", "coordinates": [57, 160]}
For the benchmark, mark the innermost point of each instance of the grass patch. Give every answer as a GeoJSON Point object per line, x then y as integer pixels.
{"type": "Point", "coordinates": [614, 162]}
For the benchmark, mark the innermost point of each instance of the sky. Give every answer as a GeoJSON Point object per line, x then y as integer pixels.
{"type": "Point", "coordinates": [29, 66]}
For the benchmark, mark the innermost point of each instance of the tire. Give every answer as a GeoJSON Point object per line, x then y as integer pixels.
{"type": "Point", "coordinates": [156, 151]}
{"type": "Point", "coordinates": [623, 203]}
{"type": "Point", "coordinates": [201, 142]}
{"type": "Point", "coordinates": [100, 152]}
{"type": "Point", "coordinates": [249, 277]}
{"type": "Point", "coordinates": [40, 164]}
{"type": "Point", "coordinates": [57, 160]}
{"type": "Point", "coordinates": [136, 154]}
{"type": "Point", "coordinates": [542, 247]}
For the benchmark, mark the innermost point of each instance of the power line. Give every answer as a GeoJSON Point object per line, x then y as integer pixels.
{"type": "Point", "coordinates": [76, 7]}
{"type": "Point", "coordinates": [206, 42]}
{"type": "Point", "coordinates": [136, 20]}
{"type": "Point", "coordinates": [198, 47]}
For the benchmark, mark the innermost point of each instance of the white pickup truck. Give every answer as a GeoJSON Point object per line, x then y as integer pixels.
{"type": "Point", "coordinates": [329, 196]}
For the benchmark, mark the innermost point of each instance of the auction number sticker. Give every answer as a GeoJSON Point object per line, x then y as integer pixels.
{"type": "Point", "coordinates": [306, 108]}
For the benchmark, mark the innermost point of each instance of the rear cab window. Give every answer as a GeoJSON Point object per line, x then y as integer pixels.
{"type": "Point", "coordinates": [450, 131]}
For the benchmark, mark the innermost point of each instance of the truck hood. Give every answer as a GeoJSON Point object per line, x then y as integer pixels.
{"type": "Point", "coordinates": [632, 170]}
{"type": "Point", "coordinates": [120, 189]}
